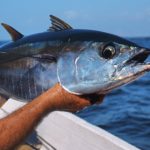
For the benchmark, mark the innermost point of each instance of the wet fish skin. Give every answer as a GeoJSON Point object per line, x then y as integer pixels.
{"type": "Point", "coordinates": [31, 65]}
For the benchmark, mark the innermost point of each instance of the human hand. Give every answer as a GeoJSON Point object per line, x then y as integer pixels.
{"type": "Point", "coordinates": [70, 102]}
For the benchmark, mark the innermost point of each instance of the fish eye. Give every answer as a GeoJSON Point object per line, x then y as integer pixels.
{"type": "Point", "coordinates": [108, 52]}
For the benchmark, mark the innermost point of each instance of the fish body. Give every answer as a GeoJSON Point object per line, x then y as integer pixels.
{"type": "Point", "coordinates": [83, 61]}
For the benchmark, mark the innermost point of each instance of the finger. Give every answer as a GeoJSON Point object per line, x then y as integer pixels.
{"type": "Point", "coordinates": [77, 103]}
{"type": "Point", "coordinates": [94, 98]}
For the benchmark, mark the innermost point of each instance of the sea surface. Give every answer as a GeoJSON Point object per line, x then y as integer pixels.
{"type": "Point", "coordinates": [125, 111]}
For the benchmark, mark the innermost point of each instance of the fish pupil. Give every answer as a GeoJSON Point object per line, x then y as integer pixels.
{"type": "Point", "coordinates": [108, 52]}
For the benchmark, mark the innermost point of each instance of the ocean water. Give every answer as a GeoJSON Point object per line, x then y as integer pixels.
{"type": "Point", "coordinates": [125, 111]}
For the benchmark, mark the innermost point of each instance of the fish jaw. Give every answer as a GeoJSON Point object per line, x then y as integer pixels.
{"type": "Point", "coordinates": [129, 70]}
{"type": "Point", "coordinates": [127, 75]}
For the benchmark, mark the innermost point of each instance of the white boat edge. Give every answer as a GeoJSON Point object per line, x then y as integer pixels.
{"type": "Point", "coordinates": [65, 131]}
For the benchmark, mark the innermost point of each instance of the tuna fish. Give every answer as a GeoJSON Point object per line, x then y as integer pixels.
{"type": "Point", "coordinates": [82, 61]}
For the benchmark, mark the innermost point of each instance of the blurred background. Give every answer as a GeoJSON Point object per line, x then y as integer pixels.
{"type": "Point", "coordinates": [124, 18]}
{"type": "Point", "coordinates": [125, 111]}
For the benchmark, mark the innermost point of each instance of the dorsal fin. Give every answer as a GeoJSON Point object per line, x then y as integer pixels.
{"type": "Point", "coordinates": [58, 24]}
{"type": "Point", "coordinates": [15, 35]}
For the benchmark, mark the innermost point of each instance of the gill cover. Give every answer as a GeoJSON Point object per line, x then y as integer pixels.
{"type": "Point", "coordinates": [76, 74]}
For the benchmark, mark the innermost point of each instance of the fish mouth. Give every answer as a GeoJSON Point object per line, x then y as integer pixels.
{"type": "Point", "coordinates": [136, 66]}
{"type": "Point", "coordinates": [139, 57]}
{"type": "Point", "coordinates": [132, 69]}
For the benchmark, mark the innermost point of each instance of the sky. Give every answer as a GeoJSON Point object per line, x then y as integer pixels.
{"type": "Point", "coordinates": [127, 18]}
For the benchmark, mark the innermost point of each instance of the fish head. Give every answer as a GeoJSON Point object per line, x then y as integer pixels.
{"type": "Point", "coordinates": [121, 64]}
{"type": "Point", "coordinates": [99, 67]}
